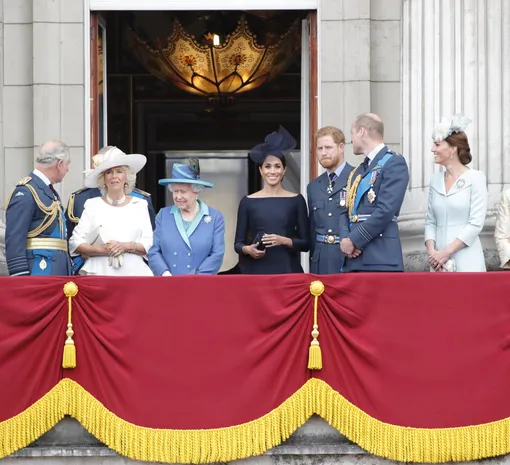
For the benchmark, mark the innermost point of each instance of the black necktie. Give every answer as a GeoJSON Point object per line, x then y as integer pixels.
{"type": "Point", "coordinates": [55, 193]}
{"type": "Point", "coordinates": [332, 178]}
{"type": "Point", "coordinates": [366, 162]}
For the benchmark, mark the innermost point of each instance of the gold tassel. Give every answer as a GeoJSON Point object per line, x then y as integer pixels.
{"type": "Point", "coordinates": [314, 352]}
{"type": "Point", "coordinates": [69, 356]}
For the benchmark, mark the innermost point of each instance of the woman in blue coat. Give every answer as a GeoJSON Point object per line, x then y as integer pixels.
{"type": "Point", "coordinates": [189, 236]}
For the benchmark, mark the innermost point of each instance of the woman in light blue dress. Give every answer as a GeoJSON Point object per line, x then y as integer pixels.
{"type": "Point", "coordinates": [189, 236]}
{"type": "Point", "coordinates": [457, 203]}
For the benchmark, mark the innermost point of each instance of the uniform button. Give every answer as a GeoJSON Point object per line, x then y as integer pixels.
{"type": "Point", "coordinates": [189, 255]}
{"type": "Point", "coordinates": [187, 266]}
{"type": "Point", "coordinates": [330, 214]}
{"type": "Point", "coordinates": [315, 208]}
{"type": "Point", "coordinates": [380, 235]}
{"type": "Point", "coordinates": [330, 230]}
{"type": "Point", "coordinates": [174, 265]}
{"type": "Point", "coordinates": [330, 199]}
{"type": "Point", "coordinates": [175, 253]}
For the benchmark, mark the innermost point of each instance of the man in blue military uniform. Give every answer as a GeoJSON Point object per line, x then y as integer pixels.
{"type": "Point", "coordinates": [77, 201]}
{"type": "Point", "coordinates": [35, 230]}
{"type": "Point", "coordinates": [375, 192]}
{"type": "Point", "coordinates": [327, 199]}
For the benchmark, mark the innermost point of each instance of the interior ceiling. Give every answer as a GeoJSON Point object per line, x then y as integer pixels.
{"type": "Point", "coordinates": [284, 88]}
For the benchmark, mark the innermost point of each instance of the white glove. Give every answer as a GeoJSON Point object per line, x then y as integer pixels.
{"type": "Point", "coordinates": [116, 262]}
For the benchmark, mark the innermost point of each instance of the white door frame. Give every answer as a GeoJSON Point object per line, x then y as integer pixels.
{"type": "Point", "coordinates": [104, 5]}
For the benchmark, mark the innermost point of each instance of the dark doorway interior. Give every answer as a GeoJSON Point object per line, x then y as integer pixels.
{"type": "Point", "coordinates": [147, 115]}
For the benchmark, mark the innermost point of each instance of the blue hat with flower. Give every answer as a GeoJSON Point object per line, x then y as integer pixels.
{"type": "Point", "coordinates": [186, 174]}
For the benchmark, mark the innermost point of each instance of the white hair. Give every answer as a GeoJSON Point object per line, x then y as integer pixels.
{"type": "Point", "coordinates": [196, 188]}
{"type": "Point", "coordinates": [128, 186]}
{"type": "Point", "coordinates": [51, 152]}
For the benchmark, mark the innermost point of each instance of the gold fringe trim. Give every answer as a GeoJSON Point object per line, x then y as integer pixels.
{"type": "Point", "coordinates": [255, 437]}
{"type": "Point", "coordinates": [405, 444]}
{"type": "Point", "coordinates": [156, 445]}
{"type": "Point", "coordinates": [23, 429]}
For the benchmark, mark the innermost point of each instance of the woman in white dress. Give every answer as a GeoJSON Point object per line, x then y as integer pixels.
{"type": "Point", "coordinates": [502, 230]}
{"type": "Point", "coordinates": [457, 203]}
{"type": "Point", "coordinates": [114, 231]}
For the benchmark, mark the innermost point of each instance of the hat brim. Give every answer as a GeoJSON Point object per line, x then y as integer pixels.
{"type": "Point", "coordinates": [134, 161]}
{"type": "Point", "coordinates": [165, 182]}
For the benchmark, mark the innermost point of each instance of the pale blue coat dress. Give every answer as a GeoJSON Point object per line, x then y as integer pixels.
{"type": "Point", "coordinates": [194, 248]}
{"type": "Point", "coordinates": [458, 214]}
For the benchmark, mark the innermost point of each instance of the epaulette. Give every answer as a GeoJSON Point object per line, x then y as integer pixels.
{"type": "Point", "coordinates": [140, 191]}
{"type": "Point", "coordinates": [79, 191]}
{"type": "Point", "coordinates": [70, 207]}
{"type": "Point", "coordinates": [24, 181]}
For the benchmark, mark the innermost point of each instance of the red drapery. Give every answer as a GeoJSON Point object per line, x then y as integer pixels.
{"type": "Point", "coordinates": [427, 351]}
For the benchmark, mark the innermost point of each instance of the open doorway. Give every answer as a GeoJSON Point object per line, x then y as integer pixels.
{"type": "Point", "coordinates": [137, 108]}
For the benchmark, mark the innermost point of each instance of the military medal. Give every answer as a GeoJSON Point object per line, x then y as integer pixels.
{"type": "Point", "coordinates": [43, 264]}
{"type": "Point", "coordinates": [330, 188]}
{"type": "Point", "coordinates": [371, 195]}
{"type": "Point", "coordinates": [343, 195]}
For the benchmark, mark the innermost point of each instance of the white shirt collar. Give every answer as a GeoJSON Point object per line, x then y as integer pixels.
{"type": "Point", "coordinates": [339, 169]}
{"type": "Point", "coordinates": [41, 175]}
{"type": "Point", "coordinates": [374, 152]}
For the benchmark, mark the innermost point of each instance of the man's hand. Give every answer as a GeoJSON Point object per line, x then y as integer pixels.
{"type": "Point", "coordinates": [347, 246]}
{"type": "Point", "coordinates": [355, 254]}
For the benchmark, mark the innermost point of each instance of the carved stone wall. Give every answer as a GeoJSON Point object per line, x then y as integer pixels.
{"type": "Point", "coordinates": [455, 59]}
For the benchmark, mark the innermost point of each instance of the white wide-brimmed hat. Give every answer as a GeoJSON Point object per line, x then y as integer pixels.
{"type": "Point", "coordinates": [111, 158]}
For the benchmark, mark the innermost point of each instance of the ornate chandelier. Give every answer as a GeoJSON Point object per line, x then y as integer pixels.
{"type": "Point", "coordinates": [214, 67]}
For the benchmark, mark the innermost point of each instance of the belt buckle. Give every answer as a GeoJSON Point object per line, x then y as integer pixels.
{"type": "Point", "coordinates": [354, 219]}
{"type": "Point", "coordinates": [330, 239]}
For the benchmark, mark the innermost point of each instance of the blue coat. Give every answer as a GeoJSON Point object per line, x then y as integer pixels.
{"type": "Point", "coordinates": [324, 212]}
{"type": "Point", "coordinates": [24, 215]}
{"type": "Point", "coordinates": [378, 236]}
{"type": "Point", "coordinates": [200, 253]}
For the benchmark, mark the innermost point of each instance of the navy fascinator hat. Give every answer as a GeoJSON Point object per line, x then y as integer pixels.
{"type": "Point", "coordinates": [277, 143]}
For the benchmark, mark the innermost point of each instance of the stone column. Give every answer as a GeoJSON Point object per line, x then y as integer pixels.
{"type": "Point", "coordinates": [58, 81]}
{"type": "Point", "coordinates": [16, 115]}
{"type": "Point", "coordinates": [455, 60]}
{"type": "Point", "coordinates": [344, 63]}
{"type": "Point", "coordinates": [360, 65]}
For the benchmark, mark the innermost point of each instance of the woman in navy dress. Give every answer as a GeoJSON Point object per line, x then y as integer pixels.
{"type": "Point", "coordinates": [272, 224]}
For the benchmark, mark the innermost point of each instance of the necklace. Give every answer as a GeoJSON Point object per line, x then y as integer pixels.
{"type": "Point", "coordinates": [115, 203]}
{"type": "Point", "coordinates": [197, 209]}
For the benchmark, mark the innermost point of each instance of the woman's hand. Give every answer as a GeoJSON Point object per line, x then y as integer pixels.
{"type": "Point", "coordinates": [438, 258]}
{"type": "Point", "coordinates": [115, 248]}
{"type": "Point", "coordinates": [273, 240]}
{"type": "Point", "coordinates": [253, 252]}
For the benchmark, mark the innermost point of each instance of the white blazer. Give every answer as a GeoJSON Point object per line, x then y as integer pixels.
{"type": "Point", "coordinates": [458, 214]}
{"type": "Point", "coordinates": [502, 230]}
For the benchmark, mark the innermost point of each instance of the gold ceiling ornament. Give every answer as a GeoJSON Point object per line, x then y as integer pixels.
{"type": "Point", "coordinates": [217, 68]}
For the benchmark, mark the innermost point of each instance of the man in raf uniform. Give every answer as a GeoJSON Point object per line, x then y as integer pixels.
{"type": "Point", "coordinates": [327, 199]}
{"type": "Point", "coordinates": [77, 201]}
{"type": "Point", "coordinates": [35, 231]}
{"type": "Point", "coordinates": [375, 192]}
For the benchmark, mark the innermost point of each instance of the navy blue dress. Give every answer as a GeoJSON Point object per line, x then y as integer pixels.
{"type": "Point", "coordinates": [285, 216]}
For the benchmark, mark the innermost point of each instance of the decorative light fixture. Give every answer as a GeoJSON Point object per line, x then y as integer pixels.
{"type": "Point", "coordinates": [217, 67]}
